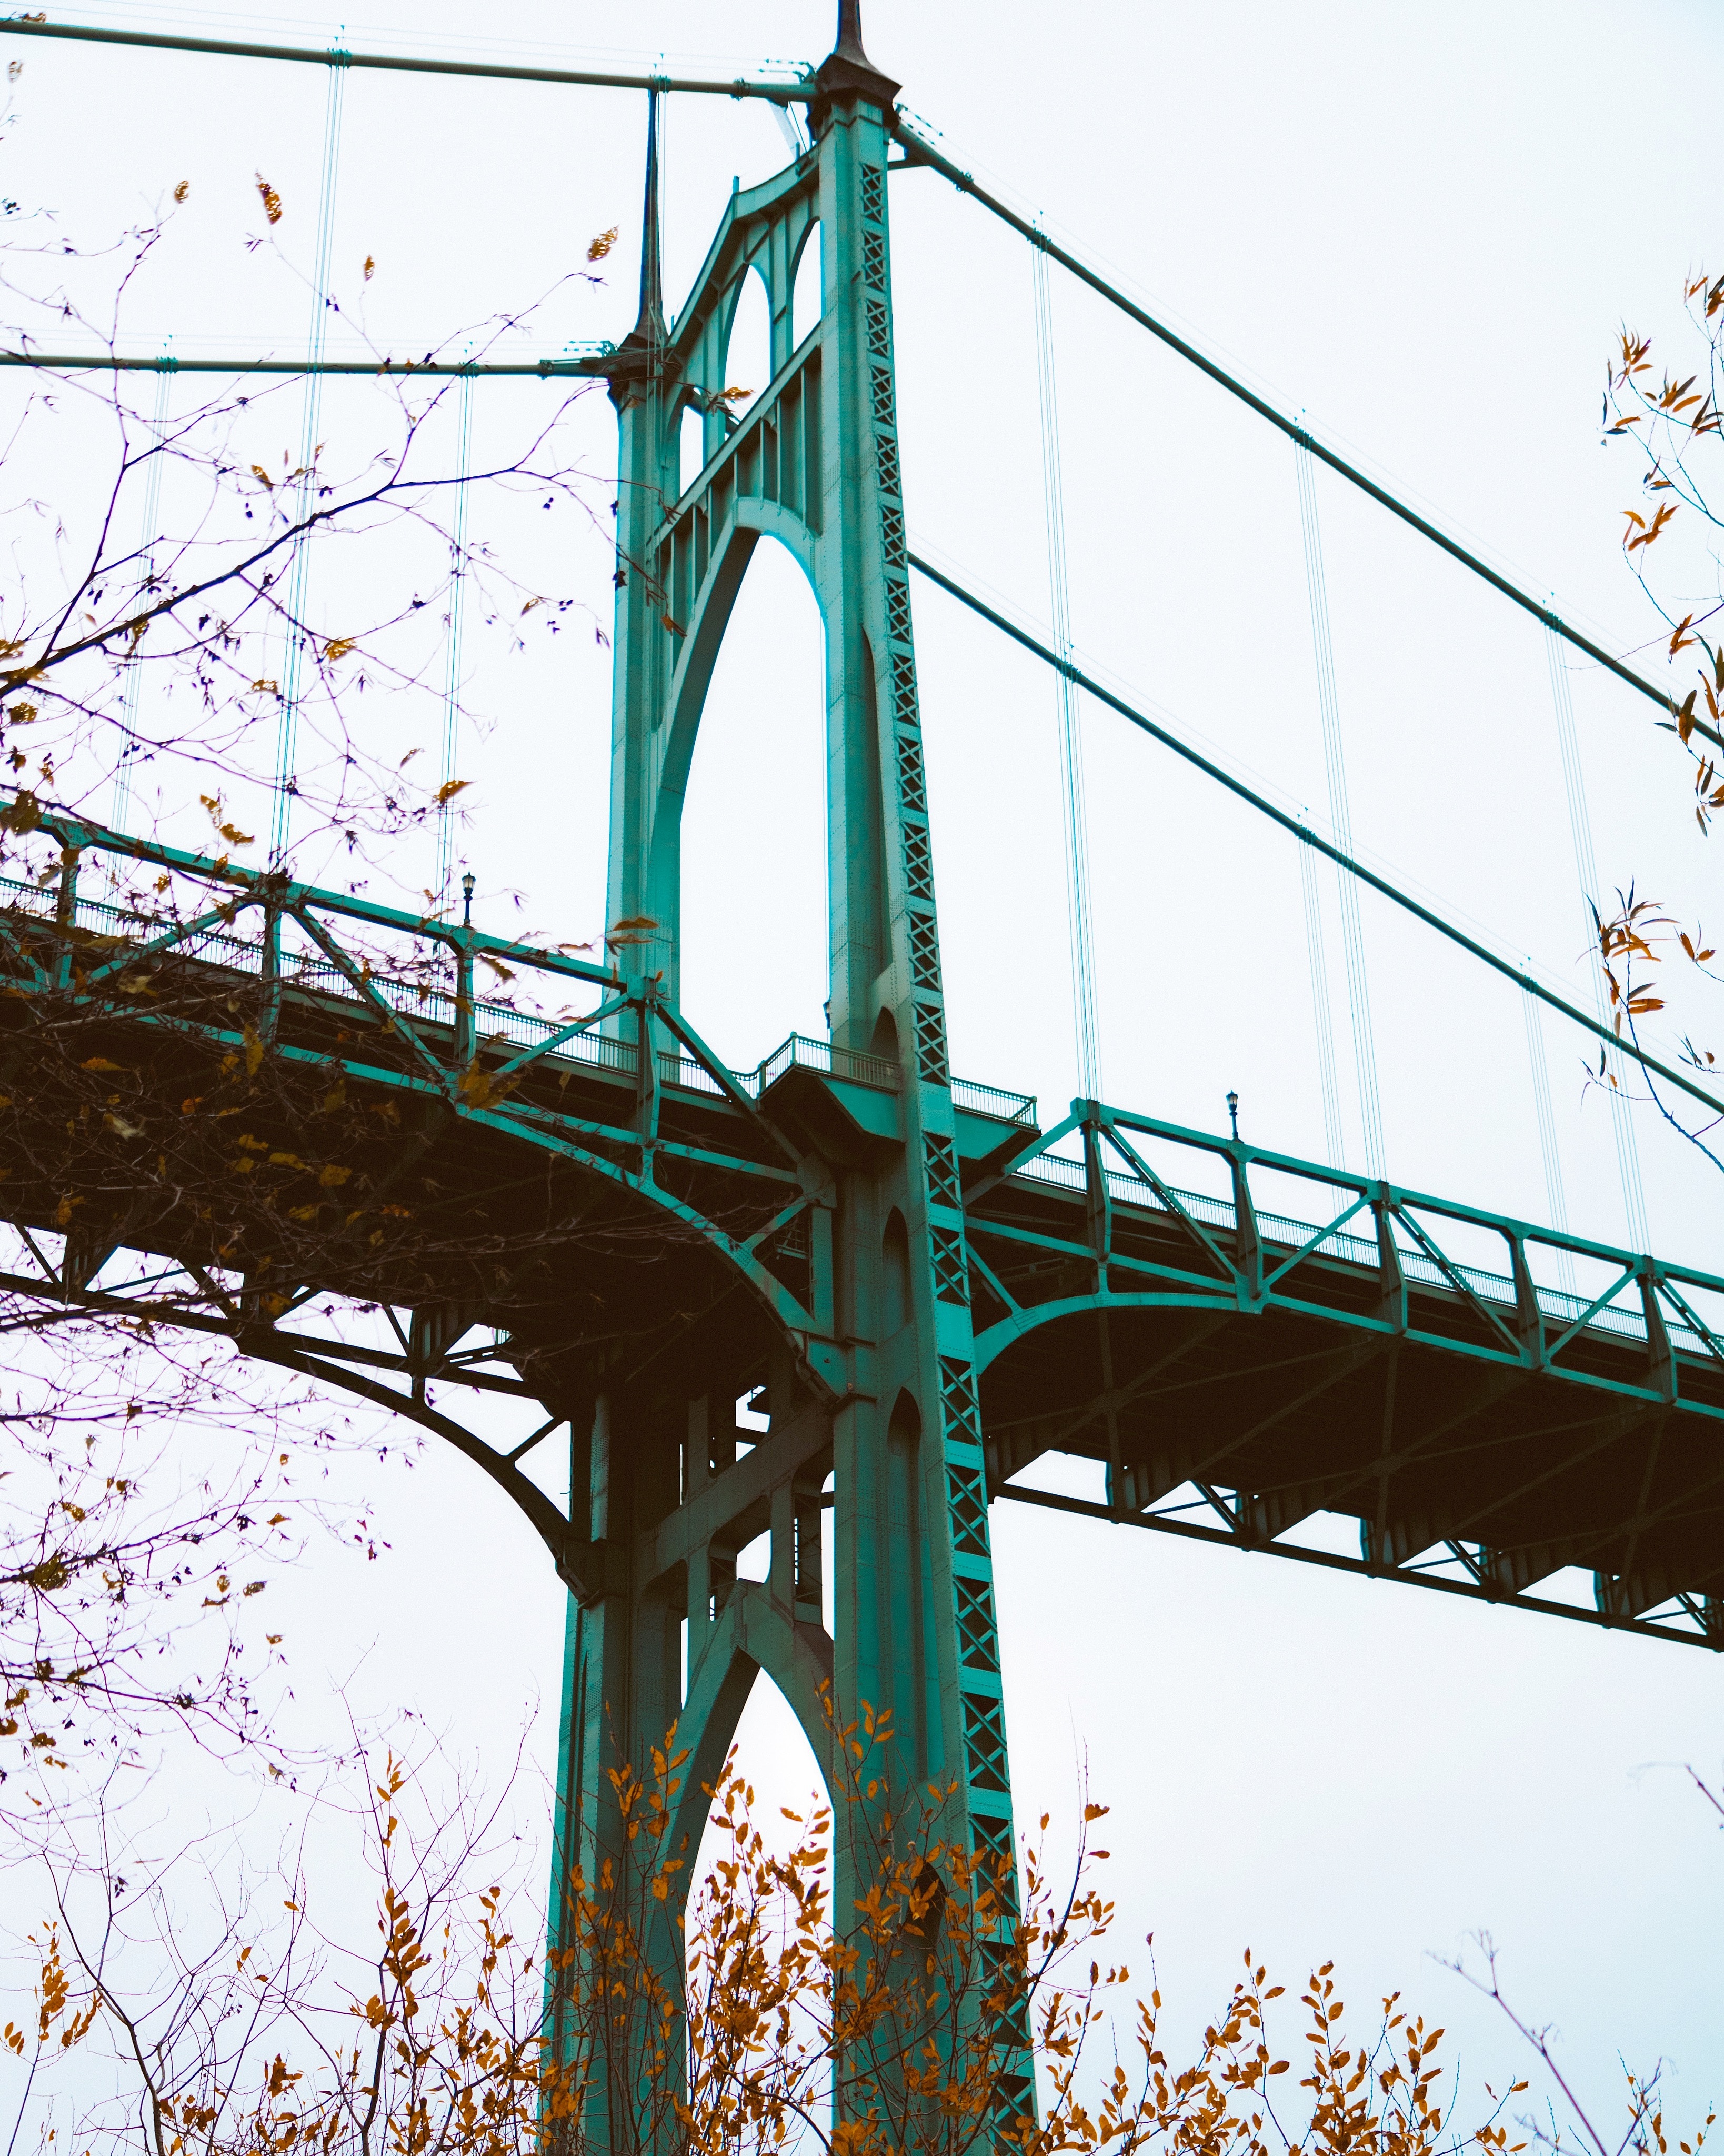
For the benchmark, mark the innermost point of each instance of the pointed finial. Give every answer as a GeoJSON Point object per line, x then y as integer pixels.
{"type": "Point", "coordinates": [849, 32]}
{"type": "Point", "coordinates": [650, 323]}
{"type": "Point", "coordinates": [635, 359]}
{"type": "Point", "coordinates": [847, 69]}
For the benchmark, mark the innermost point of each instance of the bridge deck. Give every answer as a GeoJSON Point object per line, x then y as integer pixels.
{"type": "Point", "coordinates": [1485, 1428]}
{"type": "Point", "coordinates": [275, 1122]}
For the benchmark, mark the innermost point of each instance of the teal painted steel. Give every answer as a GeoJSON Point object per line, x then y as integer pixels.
{"type": "Point", "coordinates": [919, 149]}
{"type": "Point", "coordinates": [1303, 833]}
{"type": "Point", "coordinates": [739, 1166]}
{"type": "Point", "coordinates": [885, 1404]}
{"type": "Point", "coordinates": [778, 93]}
{"type": "Point", "coordinates": [885, 1260]}
{"type": "Point", "coordinates": [737, 1163]}
{"type": "Point", "coordinates": [1417, 1364]}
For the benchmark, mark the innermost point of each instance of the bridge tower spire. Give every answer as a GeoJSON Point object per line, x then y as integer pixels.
{"type": "Point", "coordinates": [877, 1397]}
{"type": "Point", "coordinates": [649, 329]}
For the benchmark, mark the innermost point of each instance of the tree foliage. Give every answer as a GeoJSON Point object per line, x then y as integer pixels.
{"type": "Point", "coordinates": [1669, 413]}
{"type": "Point", "coordinates": [920, 2024]}
{"type": "Point", "coordinates": [199, 630]}
{"type": "Point", "coordinates": [162, 607]}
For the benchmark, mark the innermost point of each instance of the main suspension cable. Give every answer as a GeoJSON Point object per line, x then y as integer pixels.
{"type": "Point", "coordinates": [919, 151]}
{"type": "Point", "coordinates": [1301, 831]}
{"type": "Point", "coordinates": [590, 360]}
{"type": "Point", "coordinates": [778, 93]}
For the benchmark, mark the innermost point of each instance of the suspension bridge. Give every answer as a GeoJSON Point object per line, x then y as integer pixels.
{"type": "Point", "coordinates": [923, 1283]}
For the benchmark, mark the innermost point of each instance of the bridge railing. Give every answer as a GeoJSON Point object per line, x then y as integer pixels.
{"type": "Point", "coordinates": [426, 969]}
{"type": "Point", "coordinates": [1637, 1297]}
{"type": "Point", "coordinates": [242, 918]}
{"type": "Point", "coordinates": [421, 969]}
{"type": "Point", "coordinates": [994, 1102]}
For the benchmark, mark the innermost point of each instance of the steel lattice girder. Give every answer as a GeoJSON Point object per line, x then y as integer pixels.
{"type": "Point", "coordinates": [593, 1209]}
{"type": "Point", "coordinates": [1487, 1429]}
{"type": "Point", "coordinates": [1484, 1430]}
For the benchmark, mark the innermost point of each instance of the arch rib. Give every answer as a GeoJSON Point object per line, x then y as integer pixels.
{"type": "Point", "coordinates": [751, 519]}
{"type": "Point", "coordinates": [753, 1635]}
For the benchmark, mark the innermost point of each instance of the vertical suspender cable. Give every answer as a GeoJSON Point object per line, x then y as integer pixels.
{"type": "Point", "coordinates": [457, 595]}
{"type": "Point", "coordinates": [1556, 1197]}
{"type": "Point", "coordinates": [1085, 1014]}
{"type": "Point", "coordinates": [305, 494]}
{"type": "Point", "coordinates": [1322, 1016]}
{"type": "Point", "coordinates": [1580, 826]}
{"type": "Point", "coordinates": [128, 742]}
{"type": "Point", "coordinates": [1340, 815]}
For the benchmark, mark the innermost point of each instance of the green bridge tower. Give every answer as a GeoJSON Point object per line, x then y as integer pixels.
{"type": "Point", "coordinates": [886, 1404]}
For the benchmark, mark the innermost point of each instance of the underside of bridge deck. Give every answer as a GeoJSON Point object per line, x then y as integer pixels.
{"type": "Point", "coordinates": [1237, 1375]}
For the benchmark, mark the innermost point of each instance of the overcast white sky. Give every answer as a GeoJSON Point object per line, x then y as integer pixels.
{"type": "Point", "coordinates": [1422, 225]}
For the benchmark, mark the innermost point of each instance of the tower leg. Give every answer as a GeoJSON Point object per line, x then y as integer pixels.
{"type": "Point", "coordinates": [621, 1697]}
{"type": "Point", "coordinates": [914, 1652]}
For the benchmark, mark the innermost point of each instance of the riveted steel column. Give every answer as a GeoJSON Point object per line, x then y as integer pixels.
{"type": "Point", "coordinates": [640, 918]}
{"type": "Point", "coordinates": [915, 1602]}
{"type": "Point", "coordinates": [621, 1694]}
